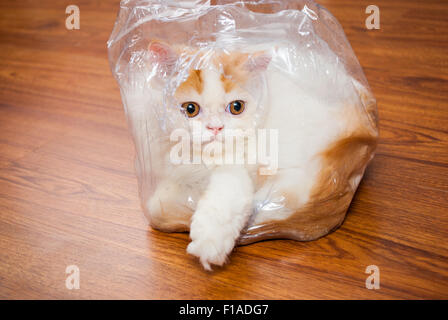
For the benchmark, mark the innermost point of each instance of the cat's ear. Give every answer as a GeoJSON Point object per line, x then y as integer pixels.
{"type": "Point", "coordinates": [162, 54]}
{"type": "Point", "coordinates": [258, 62]}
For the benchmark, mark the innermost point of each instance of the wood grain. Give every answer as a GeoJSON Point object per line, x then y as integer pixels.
{"type": "Point", "coordinates": [68, 192]}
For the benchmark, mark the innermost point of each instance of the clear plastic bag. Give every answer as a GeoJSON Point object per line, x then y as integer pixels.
{"type": "Point", "coordinates": [279, 74]}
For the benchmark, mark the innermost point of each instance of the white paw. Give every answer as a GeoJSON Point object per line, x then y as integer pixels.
{"type": "Point", "coordinates": [211, 245]}
{"type": "Point", "coordinates": [207, 253]}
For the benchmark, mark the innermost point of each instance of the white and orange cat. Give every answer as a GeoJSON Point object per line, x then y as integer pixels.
{"type": "Point", "coordinates": [312, 102]}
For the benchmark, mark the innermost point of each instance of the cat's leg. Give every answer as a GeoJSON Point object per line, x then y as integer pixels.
{"type": "Point", "coordinates": [221, 214]}
{"type": "Point", "coordinates": [166, 210]}
{"type": "Point", "coordinates": [283, 194]}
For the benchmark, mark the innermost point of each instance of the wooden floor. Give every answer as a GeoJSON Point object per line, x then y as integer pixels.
{"type": "Point", "coordinates": [68, 192]}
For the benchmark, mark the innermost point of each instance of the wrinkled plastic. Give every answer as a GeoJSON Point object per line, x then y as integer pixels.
{"type": "Point", "coordinates": [307, 48]}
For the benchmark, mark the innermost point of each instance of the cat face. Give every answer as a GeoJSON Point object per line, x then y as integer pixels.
{"type": "Point", "coordinates": [206, 98]}
{"type": "Point", "coordinates": [221, 96]}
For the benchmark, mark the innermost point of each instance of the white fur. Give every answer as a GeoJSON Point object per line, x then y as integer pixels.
{"type": "Point", "coordinates": [220, 215]}
{"type": "Point", "coordinates": [309, 117]}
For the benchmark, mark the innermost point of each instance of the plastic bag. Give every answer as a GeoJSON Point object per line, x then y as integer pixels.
{"type": "Point", "coordinates": [281, 77]}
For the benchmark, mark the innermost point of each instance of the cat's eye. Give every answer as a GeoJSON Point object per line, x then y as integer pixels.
{"type": "Point", "coordinates": [191, 109]}
{"type": "Point", "coordinates": [236, 107]}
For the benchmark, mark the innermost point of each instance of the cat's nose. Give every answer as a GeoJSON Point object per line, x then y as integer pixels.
{"type": "Point", "coordinates": [215, 130]}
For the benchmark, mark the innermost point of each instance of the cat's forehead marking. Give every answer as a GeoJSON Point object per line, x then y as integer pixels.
{"type": "Point", "coordinates": [193, 82]}
{"type": "Point", "coordinates": [233, 70]}
{"type": "Point", "coordinates": [231, 67]}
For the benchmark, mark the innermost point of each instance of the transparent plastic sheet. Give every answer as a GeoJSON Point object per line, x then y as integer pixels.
{"type": "Point", "coordinates": [277, 69]}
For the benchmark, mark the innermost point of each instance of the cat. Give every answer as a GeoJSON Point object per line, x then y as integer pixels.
{"type": "Point", "coordinates": [315, 109]}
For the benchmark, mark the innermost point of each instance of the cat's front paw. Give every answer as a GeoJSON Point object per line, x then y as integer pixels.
{"type": "Point", "coordinates": [207, 253]}
{"type": "Point", "coordinates": [211, 246]}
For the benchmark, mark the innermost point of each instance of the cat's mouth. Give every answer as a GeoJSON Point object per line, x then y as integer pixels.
{"type": "Point", "coordinates": [212, 140]}
{"type": "Point", "coordinates": [210, 137]}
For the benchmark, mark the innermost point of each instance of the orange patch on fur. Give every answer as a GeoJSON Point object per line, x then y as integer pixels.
{"type": "Point", "coordinates": [233, 69]}
{"type": "Point", "coordinates": [193, 82]}
{"type": "Point", "coordinates": [227, 83]}
{"type": "Point", "coordinates": [343, 164]}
